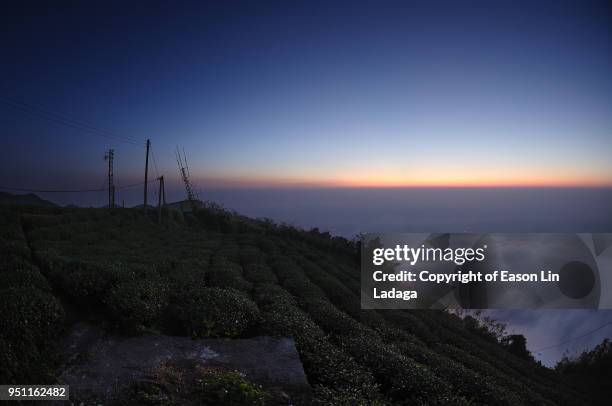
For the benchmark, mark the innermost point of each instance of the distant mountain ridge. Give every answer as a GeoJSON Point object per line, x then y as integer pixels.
{"type": "Point", "coordinates": [29, 199]}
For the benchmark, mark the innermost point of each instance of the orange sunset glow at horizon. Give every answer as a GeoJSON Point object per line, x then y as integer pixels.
{"type": "Point", "coordinates": [385, 181]}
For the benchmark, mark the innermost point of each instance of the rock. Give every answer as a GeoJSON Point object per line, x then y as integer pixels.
{"type": "Point", "coordinates": [98, 366]}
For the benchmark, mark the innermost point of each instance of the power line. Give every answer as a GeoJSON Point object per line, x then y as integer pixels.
{"type": "Point", "coordinates": [41, 109]}
{"type": "Point", "coordinates": [51, 190]}
{"type": "Point", "coordinates": [101, 201]}
{"type": "Point", "coordinates": [154, 162]}
{"type": "Point", "coordinates": [66, 120]}
{"type": "Point", "coordinates": [575, 338]}
{"type": "Point", "coordinates": [73, 190]}
{"type": "Point", "coordinates": [134, 184]}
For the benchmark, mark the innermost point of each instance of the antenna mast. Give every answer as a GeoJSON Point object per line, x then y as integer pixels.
{"type": "Point", "coordinates": [184, 171]}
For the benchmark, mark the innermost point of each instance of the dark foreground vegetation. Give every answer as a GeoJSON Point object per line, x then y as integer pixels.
{"type": "Point", "coordinates": [591, 370]}
{"type": "Point", "coordinates": [214, 273]}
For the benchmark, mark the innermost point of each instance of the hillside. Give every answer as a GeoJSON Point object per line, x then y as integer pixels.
{"type": "Point", "coordinates": [216, 274]}
{"type": "Point", "coordinates": [29, 199]}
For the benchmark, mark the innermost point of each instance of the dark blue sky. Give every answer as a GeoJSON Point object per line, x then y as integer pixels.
{"type": "Point", "coordinates": [342, 94]}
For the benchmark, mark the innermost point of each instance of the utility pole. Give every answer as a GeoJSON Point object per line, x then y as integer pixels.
{"type": "Point", "coordinates": [110, 154]}
{"type": "Point", "coordinates": [146, 175]}
{"type": "Point", "coordinates": [163, 191]}
{"type": "Point", "coordinates": [159, 197]}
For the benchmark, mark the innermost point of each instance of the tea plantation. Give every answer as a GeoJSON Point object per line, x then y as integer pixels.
{"type": "Point", "coordinates": [218, 274]}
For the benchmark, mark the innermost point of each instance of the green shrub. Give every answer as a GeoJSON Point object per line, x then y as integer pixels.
{"type": "Point", "coordinates": [229, 389]}
{"type": "Point", "coordinates": [325, 364]}
{"type": "Point", "coordinates": [465, 382]}
{"type": "Point", "coordinates": [29, 324]}
{"type": "Point", "coordinates": [267, 246]}
{"type": "Point", "coordinates": [294, 280]}
{"type": "Point", "coordinates": [328, 396]}
{"type": "Point", "coordinates": [138, 303]}
{"type": "Point", "coordinates": [33, 221]}
{"type": "Point", "coordinates": [225, 274]}
{"type": "Point", "coordinates": [251, 255]}
{"type": "Point", "coordinates": [24, 275]}
{"type": "Point", "coordinates": [229, 251]}
{"type": "Point", "coordinates": [14, 249]}
{"type": "Point", "coordinates": [259, 273]}
{"type": "Point", "coordinates": [173, 216]}
{"type": "Point", "coordinates": [84, 283]}
{"type": "Point", "coordinates": [402, 378]}
{"type": "Point", "coordinates": [213, 312]}
{"type": "Point", "coordinates": [270, 294]}
{"type": "Point", "coordinates": [187, 274]}
{"type": "Point", "coordinates": [142, 393]}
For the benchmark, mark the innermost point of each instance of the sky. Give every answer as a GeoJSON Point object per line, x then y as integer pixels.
{"type": "Point", "coordinates": [312, 94]}
{"type": "Point", "coordinates": [287, 109]}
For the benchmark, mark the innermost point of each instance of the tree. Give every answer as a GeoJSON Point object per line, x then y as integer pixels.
{"type": "Point", "coordinates": [517, 345]}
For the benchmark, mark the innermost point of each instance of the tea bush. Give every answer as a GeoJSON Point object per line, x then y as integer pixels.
{"type": "Point", "coordinates": [229, 389]}
{"type": "Point", "coordinates": [138, 303]}
{"type": "Point", "coordinates": [325, 364]}
{"type": "Point", "coordinates": [216, 273]}
{"type": "Point", "coordinates": [30, 322]}
{"type": "Point", "coordinates": [84, 283]}
{"type": "Point", "coordinates": [213, 312]}
{"type": "Point", "coordinates": [250, 254]}
{"type": "Point", "coordinates": [184, 274]}
{"type": "Point", "coordinates": [24, 275]}
{"type": "Point", "coordinates": [225, 274]}
{"type": "Point", "coordinates": [402, 378]}
{"type": "Point", "coordinates": [259, 273]}
{"type": "Point", "coordinates": [269, 294]}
